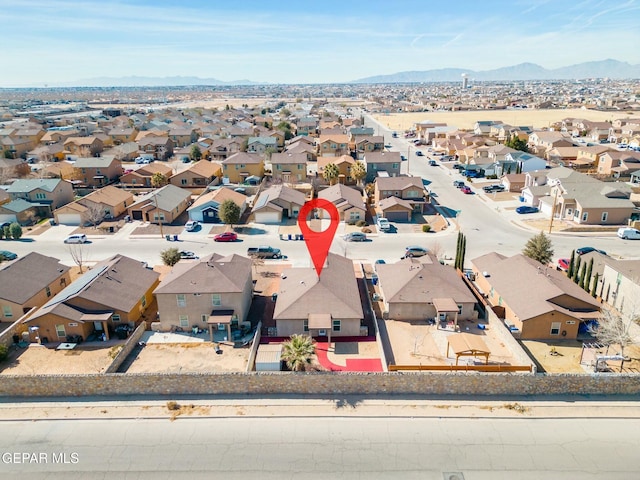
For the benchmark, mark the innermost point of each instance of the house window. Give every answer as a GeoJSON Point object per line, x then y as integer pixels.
{"type": "Point", "coordinates": [40, 196]}
{"type": "Point", "coordinates": [47, 290]}
{"type": "Point", "coordinates": [459, 309]}
{"type": "Point", "coordinates": [555, 328]}
{"type": "Point", "coordinates": [499, 300]}
{"type": "Point", "coordinates": [184, 321]}
{"type": "Point", "coordinates": [6, 311]}
{"type": "Point", "coordinates": [305, 325]}
{"type": "Point", "coordinates": [60, 331]}
{"type": "Point", "coordinates": [183, 181]}
{"type": "Point", "coordinates": [374, 166]}
{"type": "Point", "coordinates": [182, 300]}
{"type": "Point", "coordinates": [354, 215]}
{"type": "Point", "coordinates": [394, 165]}
{"type": "Point", "coordinates": [585, 215]}
{"type": "Point", "coordinates": [143, 301]}
{"type": "Point", "coordinates": [216, 300]}
{"type": "Point", "coordinates": [336, 325]}
{"type": "Point", "coordinates": [278, 167]}
{"type": "Point", "coordinates": [115, 317]}
{"type": "Point", "coordinates": [604, 216]}
{"type": "Point", "coordinates": [569, 212]}
{"type": "Point", "coordinates": [204, 317]}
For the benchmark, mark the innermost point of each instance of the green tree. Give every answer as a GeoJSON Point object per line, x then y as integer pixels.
{"type": "Point", "coordinates": [463, 251]}
{"type": "Point", "coordinates": [576, 270]}
{"type": "Point", "coordinates": [539, 248]}
{"type": "Point", "coordinates": [158, 180]}
{"type": "Point", "coordinates": [7, 232]}
{"type": "Point", "coordinates": [195, 153]}
{"type": "Point", "coordinates": [1, 233]}
{"type": "Point", "coordinates": [297, 352]}
{"type": "Point", "coordinates": [229, 212]}
{"type": "Point", "coordinates": [358, 172]}
{"type": "Point", "coordinates": [581, 275]}
{"type": "Point", "coordinates": [170, 256]}
{"type": "Point", "coordinates": [594, 285]}
{"type": "Point", "coordinates": [15, 230]}
{"type": "Point", "coordinates": [269, 151]}
{"type": "Point", "coordinates": [586, 281]}
{"type": "Point", "coordinates": [331, 173]}
{"type": "Point", "coordinates": [572, 264]}
{"type": "Point", "coordinates": [456, 263]}
{"type": "Point", "coordinates": [517, 143]}
{"type": "Point", "coordinates": [285, 112]}
{"type": "Point", "coordinates": [244, 145]}
{"type": "Point", "coordinates": [285, 127]}
{"type": "Point", "coordinates": [4, 352]}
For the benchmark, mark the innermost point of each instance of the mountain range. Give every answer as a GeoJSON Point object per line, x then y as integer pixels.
{"type": "Point", "coordinates": [524, 71]}
{"type": "Point", "coordinates": [136, 81]}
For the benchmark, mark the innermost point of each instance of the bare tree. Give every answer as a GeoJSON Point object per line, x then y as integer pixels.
{"type": "Point", "coordinates": [95, 214]}
{"type": "Point", "coordinates": [436, 249]}
{"type": "Point", "coordinates": [613, 330]}
{"type": "Point", "coordinates": [79, 254]}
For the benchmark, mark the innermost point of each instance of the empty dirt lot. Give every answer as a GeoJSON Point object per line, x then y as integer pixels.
{"type": "Point", "coordinates": [40, 360]}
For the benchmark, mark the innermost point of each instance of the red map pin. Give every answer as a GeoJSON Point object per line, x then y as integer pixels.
{"type": "Point", "coordinates": [318, 243]}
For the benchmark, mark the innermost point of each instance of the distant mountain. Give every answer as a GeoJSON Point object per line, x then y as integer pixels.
{"type": "Point", "coordinates": [524, 71]}
{"type": "Point", "coordinates": [135, 81]}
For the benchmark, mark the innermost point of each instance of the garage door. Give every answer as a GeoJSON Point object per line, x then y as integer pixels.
{"type": "Point", "coordinates": [209, 215]}
{"type": "Point", "coordinates": [267, 217]}
{"type": "Point", "coordinates": [397, 216]}
{"type": "Point", "coordinates": [69, 219]}
{"type": "Point", "coordinates": [546, 207]}
{"type": "Point", "coordinates": [10, 218]}
{"type": "Point", "coordinates": [136, 214]}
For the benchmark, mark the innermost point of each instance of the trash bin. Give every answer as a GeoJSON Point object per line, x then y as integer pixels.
{"type": "Point", "coordinates": [168, 237]}
{"type": "Point", "coordinates": [290, 237]}
{"type": "Point", "coordinates": [110, 229]}
{"type": "Point", "coordinates": [175, 238]}
{"type": "Point", "coordinates": [16, 338]}
{"type": "Point", "coordinates": [301, 237]}
{"type": "Point", "coordinates": [52, 222]}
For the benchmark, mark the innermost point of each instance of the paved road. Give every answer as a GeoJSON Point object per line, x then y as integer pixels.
{"type": "Point", "coordinates": [395, 448]}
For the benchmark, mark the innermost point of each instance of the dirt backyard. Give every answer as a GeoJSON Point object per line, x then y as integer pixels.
{"type": "Point", "coordinates": [40, 360]}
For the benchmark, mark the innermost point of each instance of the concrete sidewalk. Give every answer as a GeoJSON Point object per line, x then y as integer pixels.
{"type": "Point", "coordinates": [317, 407]}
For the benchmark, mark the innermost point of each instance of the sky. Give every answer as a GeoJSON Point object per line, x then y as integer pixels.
{"type": "Point", "coordinates": [49, 42]}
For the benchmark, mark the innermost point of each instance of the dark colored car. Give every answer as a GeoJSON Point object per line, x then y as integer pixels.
{"type": "Point", "coordinates": [188, 255]}
{"type": "Point", "coordinates": [415, 251]}
{"type": "Point", "coordinates": [472, 174]}
{"type": "Point", "coordinates": [583, 250]}
{"type": "Point", "coordinates": [493, 188]}
{"type": "Point", "coordinates": [419, 153]}
{"type": "Point", "coordinates": [7, 255]}
{"type": "Point", "coordinates": [458, 183]}
{"type": "Point", "coordinates": [526, 209]}
{"type": "Point", "coordinates": [433, 163]}
{"type": "Point", "coordinates": [226, 237]}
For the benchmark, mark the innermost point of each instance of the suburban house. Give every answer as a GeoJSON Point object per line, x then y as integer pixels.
{"type": "Point", "coordinates": [541, 141]}
{"type": "Point", "coordinates": [513, 182]}
{"type": "Point", "coordinates": [161, 147]}
{"type": "Point", "coordinates": [619, 164]}
{"type": "Point", "coordinates": [621, 287]}
{"type": "Point", "coordinates": [377, 162]}
{"type": "Point", "coordinates": [221, 148]}
{"type": "Point", "coordinates": [114, 292]}
{"type": "Point", "coordinates": [205, 208]}
{"type": "Point", "coordinates": [213, 292]}
{"type": "Point", "coordinates": [589, 157]}
{"type": "Point", "coordinates": [16, 142]}
{"type": "Point", "coordinates": [277, 203]}
{"type": "Point", "coordinates": [198, 175]}
{"type": "Point", "coordinates": [182, 135]}
{"type": "Point", "coordinates": [308, 150]}
{"type": "Point", "coordinates": [48, 153]}
{"type": "Point", "coordinates": [97, 171]}
{"type": "Point", "coordinates": [83, 146]}
{"type": "Point", "coordinates": [561, 156]}
{"type": "Point", "coordinates": [13, 168]}
{"type": "Point", "coordinates": [261, 144]}
{"type": "Point", "coordinates": [344, 164]}
{"type": "Point", "coordinates": [44, 194]}
{"type": "Point", "coordinates": [163, 205]}
{"type": "Point", "coordinates": [29, 282]}
{"type": "Point", "coordinates": [409, 190]}
{"type": "Point", "coordinates": [325, 306]}
{"type": "Point", "coordinates": [519, 162]}
{"type": "Point", "coordinates": [23, 212]}
{"type": "Point", "coordinates": [241, 165]}
{"type": "Point", "coordinates": [125, 152]}
{"type": "Point", "coordinates": [289, 167]}
{"type": "Point", "coordinates": [333, 145]}
{"type": "Point", "coordinates": [106, 203]}
{"type": "Point", "coordinates": [307, 126]}
{"type": "Point", "coordinates": [358, 132]}
{"type": "Point", "coordinates": [143, 175]}
{"type": "Point", "coordinates": [422, 288]}
{"type": "Point", "coordinates": [348, 201]}
{"type": "Point", "coordinates": [540, 302]}
{"type": "Point", "coordinates": [120, 135]}
{"type": "Point", "coordinates": [369, 144]}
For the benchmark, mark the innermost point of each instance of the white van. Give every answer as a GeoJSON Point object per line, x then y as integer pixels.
{"type": "Point", "coordinates": [77, 238]}
{"type": "Point", "coordinates": [629, 233]}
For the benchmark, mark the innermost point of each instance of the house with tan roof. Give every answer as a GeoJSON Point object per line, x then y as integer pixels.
{"type": "Point", "coordinates": [277, 203]}
{"type": "Point", "coordinates": [588, 158]}
{"type": "Point", "coordinates": [97, 171]}
{"type": "Point", "coordinates": [396, 198]}
{"type": "Point", "coordinates": [308, 150]}
{"type": "Point", "coordinates": [325, 306]}
{"type": "Point", "coordinates": [376, 162]}
{"type": "Point", "coordinates": [120, 135]}
{"type": "Point", "coordinates": [142, 176]}
{"type": "Point", "coordinates": [206, 207]}
{"type": "Point", "coordinates": [105, 203]}
{"type": "Point", "coordinates": [422, 288]}
{"type": "Point", "coordinates": [29, 282]}
{"type": "Point", "coordinates": [289, 167]}
{"type": "Point", "coordinates": [198, 175]}
{"type": "Point", "coordinates": [368, 144]}
{"type": "Point", "coordinates": [344, 164]}
{"type": "Point", "coordinates": [212, 293]}
{"type": "Point", "coordinates": [239, 166]}
{"type": "Point", "coordinates": [84, 145]}
{"type": "Point", "coordinates": [114, 292]}
{"type": "Point", "coordinates": [348, 201]}
{"type": "Point", "coordinates": [540, 302]}
{"type": "Point", "coordinates": [333, 145]}
{"type": "Point", "coordinates": [619, 164]}
{"type": "Point", "coordinates": [222, 148]}
{"type": "Point", "coordinates": [541, 141]}
{"type": "Point", "coordinates": [161, 147]}
{"type": "Point", "coordinates": [163, 205]}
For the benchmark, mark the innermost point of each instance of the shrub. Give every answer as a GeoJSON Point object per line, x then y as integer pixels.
{"type": "Point", "coordinates": [16, 231]}
{"type": "Point", "coordinates": [173, 406]}
{"type": "Point", "coordinates": [4, 352]}
{"type": "Point", "coordinates": [366, 230]}
{"type": "Point", "coordinates": [361, 223]}
{"type": "Point", "coordinates": [426, 228]}
{"type": "Point", "coordinates": [491, 177]}
{"type": "Point", "coordinates": [351, 222]}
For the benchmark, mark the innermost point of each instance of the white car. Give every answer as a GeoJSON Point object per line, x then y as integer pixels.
{"type": "Point", "coordinates": [77, 238]}
{"type": "Point", "coordinates": [629, 233]}
{"type": "Point", "coordinates": [191, 225]}
{"type": "Point", "coordinates": [383, 224]}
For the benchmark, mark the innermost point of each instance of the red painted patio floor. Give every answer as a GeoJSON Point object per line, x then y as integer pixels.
{"type": "Point", "coordinates": [353, 364]}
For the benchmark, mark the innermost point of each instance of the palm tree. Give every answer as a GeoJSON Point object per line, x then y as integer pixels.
{"type": "Point", "coordinates": [297, 352]}
{"type": "Point", "coordinates": [358, 172]}
{"type": "Point", "coordinates": [331, 173]}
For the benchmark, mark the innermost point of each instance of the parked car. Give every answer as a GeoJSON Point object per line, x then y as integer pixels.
{"type": "Point", "coordinates": [493, 188]}
{"type": "Point", "coordinates": [627, 233]}
{"type": "Point", "coordinates": [433, 163]}
{"type": "Point", "coordinates": [264, 252]}
{"type": "Point", "coordinates": [383, 224]}
{"type": "Point", "coordinates": [191, 225]}
{"type": "Point", "coordinates": [563, 264]}
{"type": "Point", "coordinates": [585, 250]}
{"type": "Point", "coordinates": [76, 238]}
{"type": "Point", "coordinates": [226, 237]}
{"type": "Point", "coordinates": [7, 255]}
{"type": "Point", "coordinates": [355, 237]}
{"type": "Point", "coordinates": [526, 209]}
{"type": "Point", "coordinates": [419, 153]}
{"type": "Point", "coordinates": [466, 190]}
{"type": "Point", "coordinates": [458, 183]}
{"type": "Point", "coordinates": [403, 158]}
{"type": "Point", "coordinates": [188, 255]}
{"type": "Point", "coordinates": [415, 251]}
{"type": "Point", "coordinates": [472, 174]}
{"type": "Point", "coordinates": [459, 167]}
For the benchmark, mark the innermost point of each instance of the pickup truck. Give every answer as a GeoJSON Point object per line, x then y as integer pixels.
{"type": "Point", "coordinates": [264, 252]}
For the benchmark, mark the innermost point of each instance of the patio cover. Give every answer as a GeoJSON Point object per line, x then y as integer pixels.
{"type": "Point", "coordinates": [319, 321]}
{"type": "Point", "coordinates": [445, 305]}
{"type": "Point", "coordinates": [469, 345]}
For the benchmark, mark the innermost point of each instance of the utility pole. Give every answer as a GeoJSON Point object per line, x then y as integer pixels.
{"type": "Point", "coordinates": [155, 200]}
{"type": "Point", "coordinates": [553, 209]}
{"type": "Point", "coordinates": [408, 158]}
